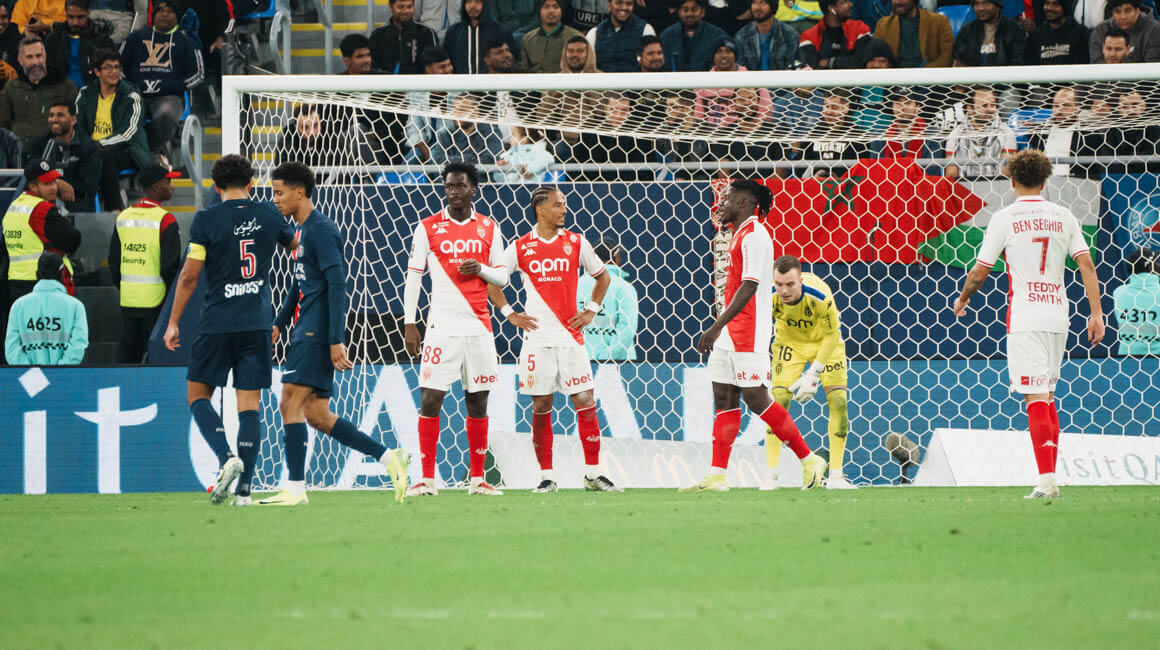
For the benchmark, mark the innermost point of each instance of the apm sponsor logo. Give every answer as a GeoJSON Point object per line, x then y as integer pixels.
{"type": "Point", "coordinates": [551, 265]}
{"type": "Point", "coordinates": [460, 246]}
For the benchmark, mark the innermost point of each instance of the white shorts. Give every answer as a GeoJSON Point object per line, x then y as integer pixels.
{"type": "Point", "coordinates": [469, 359]}
{"type": "Point", "coordinates": [544, 371]}
{"type": "Point", "coordinates": [741, 369]}
{"type": "Point", "coordinates": [1033, 360]}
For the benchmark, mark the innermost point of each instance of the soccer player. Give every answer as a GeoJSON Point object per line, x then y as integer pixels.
{"type": "Point", "coordinates": [553, 357]}
{"type": "Point", "coordinates": [739, 340]}
{"type": "Point", "coordinates": [234, 242]}
{"type": "Point", "coordinates": [806, 332]}
{"type": "Point", "coordinates": [464, 252]}
{"type": "Point", "coordinates": [1035, 237]}
{"type": "Point", "coordinates": [317, 303]}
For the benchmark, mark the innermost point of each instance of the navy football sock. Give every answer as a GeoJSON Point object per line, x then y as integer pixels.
{"type": "Point", "coordinates": [346, 433]}
{"type": "Point", "coordinates": [248, 443]}
{"type": "Point", "coordinates": [212, 429]}
{"type": "Point", "coordinates": [295, 451]}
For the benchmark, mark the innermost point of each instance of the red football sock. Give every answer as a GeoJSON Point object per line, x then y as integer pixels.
{"type": "Point", "coordinates": [589, 430]}
{"type": "Point", "coordinates": [477, 441]}
{"type": "Point", "coordinates": [542, 438]}
{"type": "Point", "coordinates": [1039, 423]}
{"type": "Point", "coordinates": [428, 444]}
{"type": "Point", "coordinates": [1054, 434]}
{"type": "Point", "coordinates": [725, 427]}
{"type": "Point", "coordinates": [783, 427]}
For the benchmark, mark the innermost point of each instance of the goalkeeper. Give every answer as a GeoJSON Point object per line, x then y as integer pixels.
{"type": "Point", "coordinates": [808, 351]}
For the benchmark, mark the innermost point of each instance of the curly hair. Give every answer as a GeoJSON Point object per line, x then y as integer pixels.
{"type": "Point", "coordinates": [232, 171]}
{"type": "Point", "coordinates": [1029, 168]}
{"type": "Point", "coordinates": [460, 167]}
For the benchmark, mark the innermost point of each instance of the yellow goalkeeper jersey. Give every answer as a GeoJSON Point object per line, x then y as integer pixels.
{"type": "Point", "coordinates": [813, 318]}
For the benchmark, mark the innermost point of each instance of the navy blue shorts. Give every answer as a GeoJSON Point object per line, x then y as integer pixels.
{"type": "Point", "coordinates": [308, 364]}
{"type": "Point", "coordinates": [248, 354]}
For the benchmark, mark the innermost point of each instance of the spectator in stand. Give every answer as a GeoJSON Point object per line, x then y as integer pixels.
{"type": "Point", "coordinates": [608, 149]}
{"type": "Point", "coordinates": [581, 108]}
{"type": "Point", "coordinates": [1132, 140]}
{"type": "Point", "coordinates": [616, 39]}
{"type": "Point", "coordinates": [33, 225]}
{"type": "Point", "coordinates": [679, 120]}
{"type": "Point", "coordinates": [465, 39]}
{"type": "Point", "coordinates": [71, 44]}
{"type": "Point", "coordinates": [991, 38]}
{"type": "Point", "coordinates": [795, 113]}
{"type": "Point", "coordinates": [498, 58]}
{"type": "Point", "coordinates": [658, 13]}
{"type": "Point", "coordinates": [690, 44]}
{"type": "Point", "coordinates": [47, 327]}
{"type": "Point", "coordinates": [9, 46]}
{"type": "Point", "coordinates": [37, 16]}
{"type": "Point", "coordinates": [1137, 306]}
{"type": "Point", "coordinates": [800, 15]}
{"type": "Point", "coordinates": [612, 334]}
{"type": "Point", "coordinates": [542, 47]}
{"type": "Point", "coordinates": [649, 105]}
{"type": "Point", "coordinates": [420, 128]}
{"type": "Point", "coordinates": [163, 63]}
{"type": "Point", "coordinates": [873, 114]}
{"type": "Point", "coordinates": [1116, 46]}
{"type": "Point", "coordinates": [110, 111]}
{"type": "Point", "coordinates": [583, 15]}
{"type": "Point", "coordinates": [1058, 39]}
{"type": "Point", "coordinates": [317, 136]}
{"type": "Point", "coordinates": [24, 101]}
{"type": "Point", "coordinates": [834, 136]}
{"type": "Point", "coordinates": [766, 43]}
{"type": "Point", "coordinates": [871, 11]}
{"type": "Point", "coordinates": [906, 135]}
{"type": "Point", "coordinates": [398, 46]}
{"type": "Point", "coordinates": [438, 15]}
{"type": "Point", "coordinates": [837, 40]}
{"type": "Point", "coordinates": [379, 135]}
{"type": "Point", "coordinates": [78, 158]}
{"type": "Point", "coordinates": [463, 139]}
{"type": "Point", "coordinates": [729, 15]}
{"type": "Point", "coordinates": [356, 55]}
{"type": "Point", "coordinates": [1063, 137]}
{"type": "Point", "coordinates": [518, 17]}
{"type": "Point", "coordinates": [121, 14]}
{"type": "Point", "coordinates": [715, 106]}
{"type": "Point", "coordinates": [651, 55]}
{"type": "Point", "coordinates": [979, 147]}
{"type": "Point", "coordinates": [919, 38]}
{"type": "Point", "coordinates": [1143, 32]}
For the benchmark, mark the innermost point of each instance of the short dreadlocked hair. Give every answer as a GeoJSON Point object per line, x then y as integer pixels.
{"type": "Point", "coordinates": [760, 193]}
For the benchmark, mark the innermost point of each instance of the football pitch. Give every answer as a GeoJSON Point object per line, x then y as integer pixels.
{"type": "Point", "coordinates": [876, 568]}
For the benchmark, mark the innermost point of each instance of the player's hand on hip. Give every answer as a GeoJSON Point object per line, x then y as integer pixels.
{"type": "Point", "coordinates": [339, 358]}
{"type": "Point", "coordinates": [274, 334]}
{"type": "Point", "coordinates": [469, 267]}
{"type": "Point", "coordinates": [523, 321]}
{"type": "Point", "coordinates": [411, 339]}
{"type": "Point", "coordinates": [960, 307]}
{"type": "Point", "coordinates": [707, 340]}
{"type": "Point", "coordinates": [1096, 329]}
{"type": "Point", "coordinates": [581, 319]}
{"type": "Point", "coordinates": [172, 337]}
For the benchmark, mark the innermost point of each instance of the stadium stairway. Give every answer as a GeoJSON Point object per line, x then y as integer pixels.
{"type": "Point", "coordinates": [308, 39]}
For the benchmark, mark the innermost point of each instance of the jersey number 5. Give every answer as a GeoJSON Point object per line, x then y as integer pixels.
{"type": "Point", "coordinates": [249, 262]}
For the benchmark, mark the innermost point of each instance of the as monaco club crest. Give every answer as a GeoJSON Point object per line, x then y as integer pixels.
{"type": "Point", "coordinates": [482, 233]}
{"type": "Point", "coordinates": [567, 249]}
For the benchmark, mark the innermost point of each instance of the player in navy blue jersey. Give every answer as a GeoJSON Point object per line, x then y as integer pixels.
{"type": "Point", "coordinates": [316, 303]}
{"type": "Point", "coordinates": [234, 242]}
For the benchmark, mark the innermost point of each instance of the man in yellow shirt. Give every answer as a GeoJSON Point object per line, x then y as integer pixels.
{"type": "Point", "coordinates": [807, 331]}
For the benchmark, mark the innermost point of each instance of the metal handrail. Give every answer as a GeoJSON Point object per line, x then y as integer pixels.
{"type": "Point", "coordinates": [280, 27]}
{"type": "Point", "coordinates": [192, 145]}
{"type": "Point", "coordinates": [326, 18]}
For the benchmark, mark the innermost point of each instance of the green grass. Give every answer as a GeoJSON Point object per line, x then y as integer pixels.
{"type": "Point", "coordinates": [877, 568]}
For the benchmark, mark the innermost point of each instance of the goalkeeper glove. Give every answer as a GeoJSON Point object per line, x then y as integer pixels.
{"type": "Point", "coordinates": [806, 386]}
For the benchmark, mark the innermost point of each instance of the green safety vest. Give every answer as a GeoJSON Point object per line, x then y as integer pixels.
{"type": "Point", "coordinates": [23, 244]}
{"type": "Point", "coordinates": [139, 229]}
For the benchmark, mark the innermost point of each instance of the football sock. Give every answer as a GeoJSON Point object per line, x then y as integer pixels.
{"type": "Point", "coordinates": [542, 439]}
{"type": "Point", "coordinates": [838, 428]}
{"type": "Point", "coordinates": [726, 424]}
{"type": "Point", "coordinates": [772, 442]}
{"type": "Point", "coordinates": [346, 433]}
{"type": "Point", "coordinates": [1054, 435]}
{"type": "Point", "coordinates": [589, 430]}
{"type": "Point", "coordinates": [477, 443]}
{"type": "Point", "coordinates": [783, 427]}
{"type": "Point", "coordinates": [212, 429]}
{"type": "Point", "coordinates": [295, 435]}
{"type": "Point", "coordinates": [1039, 424]}
{"type": "Point", "coordinates": [249, 441]}
{"type": "Point", "coordinates": [428, 443]}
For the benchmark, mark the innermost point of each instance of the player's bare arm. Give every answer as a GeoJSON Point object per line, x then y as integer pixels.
{"type": "Point", "coordinates": [1091, 285]}
{"type": "Point", "coordinates": [973, 283]}
{"type": "Point", "coordinates": [584, 317]}
{"type": "Point", "coordinates": [339, 358]}
{"type": "Point", "coordinates": [520, 320]}
{"type": "Point", "coordinates": [744, 294]}
{"type": "Point", "coordinates": [186, 283]}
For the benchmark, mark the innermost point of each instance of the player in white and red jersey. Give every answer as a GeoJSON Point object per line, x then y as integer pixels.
{"type": "Point", "coordinates": [740, 337]}
{"type": "Point", "coordinates": [1036, 236]}
{"type": "Point", "coordinates": [553, 358]}
{"type": "Point", "coordinates": [463, 250]}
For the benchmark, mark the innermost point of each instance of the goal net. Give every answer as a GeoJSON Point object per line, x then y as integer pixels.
{"type": "Point", "coordinates": [883, 181]}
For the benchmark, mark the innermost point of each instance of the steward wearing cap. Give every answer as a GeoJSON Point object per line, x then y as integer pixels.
{"type": "Point", "coordinates": [991, 38]}
{"type": "Point", "coordinates": [33, 225]}
{"type": "Point", "coordinates": [837, 40]}
{"type": "Point", "coordinates": [47, 327]}
{"type": "Point", "coordinates": [144, 257]}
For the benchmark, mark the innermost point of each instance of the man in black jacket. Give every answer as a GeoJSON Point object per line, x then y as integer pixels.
{"type": "Point", "coordinates": [466, 39]}
{"type": "Point", "coordinates": [74, 154]}
{"type": "Point", "coordinates": [1059, 39]}
{"type": "Point", "coordinates": [990, 39]}
{"type": "Point", "coordinates": [397, 46]}
{"type": "Point", "coordinates": [71, 43]}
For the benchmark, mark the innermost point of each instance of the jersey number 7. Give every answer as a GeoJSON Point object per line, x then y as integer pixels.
{"type": "Point", "coordinates": [249, 262]}
{"type": "Point", "coordinates": [1042, 258]}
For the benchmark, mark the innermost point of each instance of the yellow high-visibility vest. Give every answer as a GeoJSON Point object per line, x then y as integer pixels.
{"type": "Point", "coordinates": [139, 229]}
{"type": "Point", "coordinates": [23, 244]}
